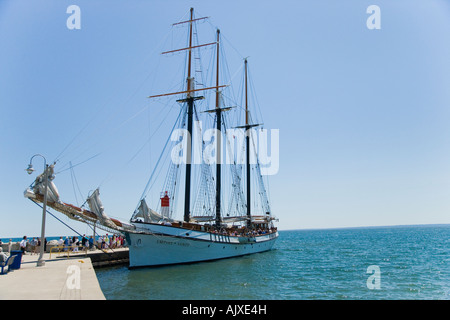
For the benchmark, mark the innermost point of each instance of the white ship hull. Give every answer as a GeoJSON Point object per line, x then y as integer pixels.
{"type": "Point", "coordinates": [172, 245]}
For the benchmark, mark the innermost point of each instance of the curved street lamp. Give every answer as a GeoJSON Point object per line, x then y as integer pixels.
{"type": "Point", "coordinates": [30, 170]}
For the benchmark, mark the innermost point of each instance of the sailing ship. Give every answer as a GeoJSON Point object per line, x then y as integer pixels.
{"type": "Point", "coordinates": [210, 229]}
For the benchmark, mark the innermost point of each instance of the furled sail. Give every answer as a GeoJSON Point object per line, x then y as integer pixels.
{"type": "Point", "coordinates": [39, 185]}
{"type": "Point", "coordinates": [148, 215]}
{"type": "Point", "coordinates": [96, 207]}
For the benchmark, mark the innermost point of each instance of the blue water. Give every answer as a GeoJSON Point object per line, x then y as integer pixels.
{"type": "Point", "coordinates": [414, 263]}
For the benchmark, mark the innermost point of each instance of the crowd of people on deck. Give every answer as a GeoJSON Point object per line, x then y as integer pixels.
{"type": "Point", "coordinates": [113, 242]}
{"type": "Point", "coordinates": [243, 231]}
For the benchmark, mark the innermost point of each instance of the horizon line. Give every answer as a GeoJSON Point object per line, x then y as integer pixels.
{"type": "Point", "coordinates": [374, 226]}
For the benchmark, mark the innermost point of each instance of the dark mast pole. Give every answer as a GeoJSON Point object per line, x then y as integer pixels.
{"type": "Point", "coordinates": [218, 111]}
{"type": "Point", "coordinates": [219, 138]}
{"type": "Point", "coordinates": [190, 102]}
{"type": "Point", "coordinates": [247, 142]}
{"type": "Point", "coordinates": [190, 98]}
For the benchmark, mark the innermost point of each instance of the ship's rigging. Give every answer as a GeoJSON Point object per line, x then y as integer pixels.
{"type": "Point", "coordinates": [217, 193]}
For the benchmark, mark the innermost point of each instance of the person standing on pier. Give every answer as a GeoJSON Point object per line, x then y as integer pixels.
{"type": "Point", "coordinates": [23, 244]}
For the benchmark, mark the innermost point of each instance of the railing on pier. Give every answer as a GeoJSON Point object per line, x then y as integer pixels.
{"type": "Point", "coordinates": [67, 249]}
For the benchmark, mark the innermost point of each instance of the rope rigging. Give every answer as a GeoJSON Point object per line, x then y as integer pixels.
{"type": "Point", "coordinates": [234, 202]}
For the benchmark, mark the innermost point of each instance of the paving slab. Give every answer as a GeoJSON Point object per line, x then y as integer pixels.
{"type": "Point", "coordinates": [61, 278]}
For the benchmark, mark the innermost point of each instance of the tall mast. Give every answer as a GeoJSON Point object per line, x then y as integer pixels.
{"type": "Point", "coordinates": [246, 97]}
{"type": "Point", "coordinates": [218, 137]}
{"type": "Point", "coordinates": [217, 70]}
{"type": "Point", "coordinates": [190, 102]}
{"type": "Point", "coordinates": [189, 79]}
{"type": "Point", "coordinates": [218, 111]}
{"type": "Point", "coordinates": [190, 107]}
{"type": "Point", "coordinates": [247, 147]}
{"type": "Point", "coordinates": [247, 128]}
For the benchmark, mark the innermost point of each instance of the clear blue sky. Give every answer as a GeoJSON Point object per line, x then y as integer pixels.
{"type": "Point", "coordinates": [363, 114]}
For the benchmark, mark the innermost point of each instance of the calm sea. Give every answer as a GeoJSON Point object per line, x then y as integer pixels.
{"type": "Point", "coordinates": [404, 262]}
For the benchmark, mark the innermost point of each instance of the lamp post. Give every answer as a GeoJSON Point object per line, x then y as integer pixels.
{"type": "Point", "coordinates": [30, 169]}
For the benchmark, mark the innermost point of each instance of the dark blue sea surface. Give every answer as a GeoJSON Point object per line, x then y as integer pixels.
{"type": "Point", "coordinates": [413, 263]}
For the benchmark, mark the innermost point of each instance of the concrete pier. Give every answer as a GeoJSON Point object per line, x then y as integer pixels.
{"type": "Point", "coordinates": [62, 277]}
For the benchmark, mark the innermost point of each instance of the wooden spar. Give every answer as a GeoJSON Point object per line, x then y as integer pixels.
{"type": "Point", "coordinates": [189, 80]}
{"type": "Point", "coordinates": [189, 48]}
{"type": "Point", "coordinates": [190, 88]}
{"type": "Point", "coordinates": [192, 20]}
{"type": "Point", "coordinates": [246, 99]}
{"type": "Point", "coordinates": [187, 91]}
{"type": "Point", "coordinates": [217, 71]}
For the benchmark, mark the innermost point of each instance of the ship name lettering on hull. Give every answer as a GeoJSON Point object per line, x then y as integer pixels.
{"type": "Point", "coordinates": [183, 244]}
